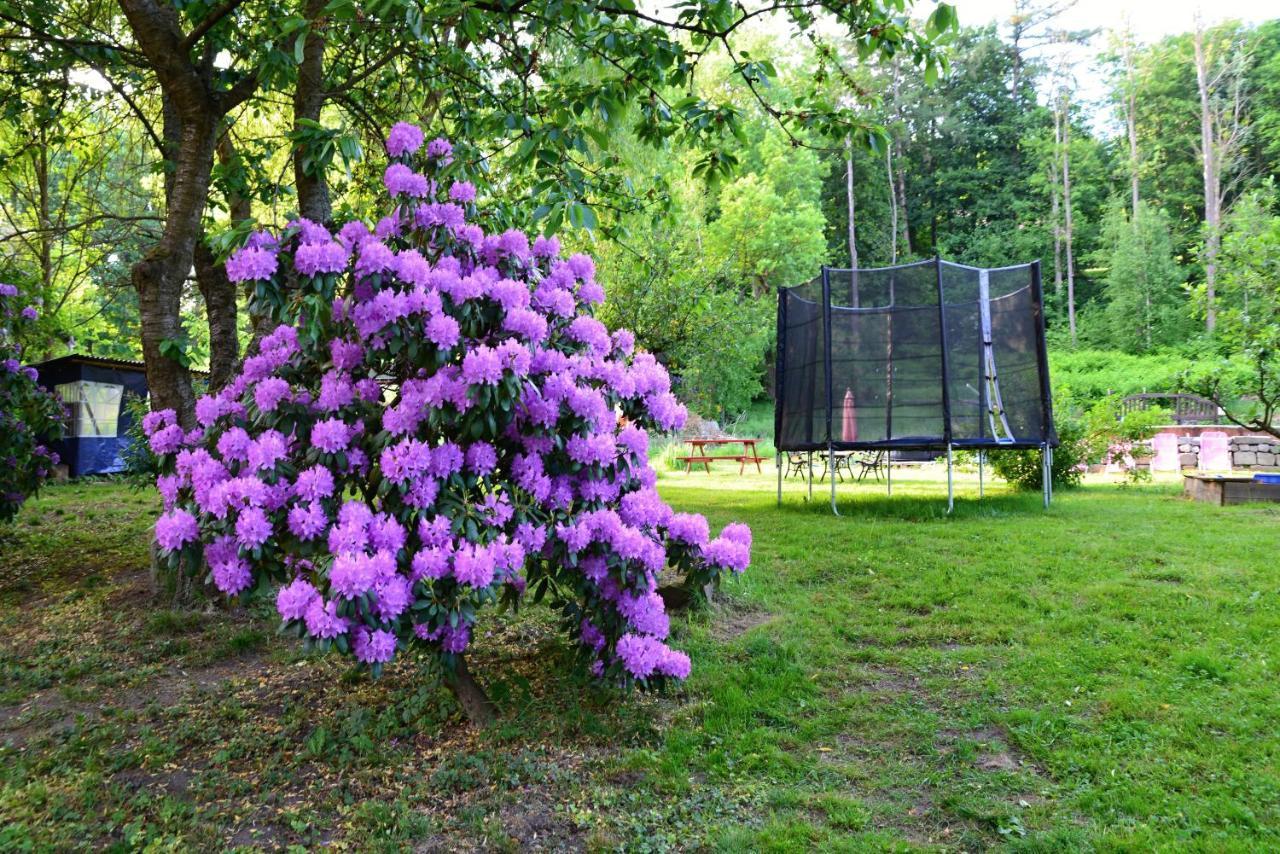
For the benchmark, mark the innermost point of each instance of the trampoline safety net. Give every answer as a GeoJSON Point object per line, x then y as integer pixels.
{"type": "Point", "coordinates": [913, 357]}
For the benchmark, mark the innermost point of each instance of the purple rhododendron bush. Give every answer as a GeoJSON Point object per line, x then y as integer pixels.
{"type": "Point", "coordinates": [436, 423]}
{"type": "Point", "coordinates": [29, 414]}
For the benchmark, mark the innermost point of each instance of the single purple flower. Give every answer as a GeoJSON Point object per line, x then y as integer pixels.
{"type": "Point", "coordinates": [251, 264]}
{"type": "Point", "coordinates": [175, 529]}
{"type": "Point", "coordinates": [403, 139]}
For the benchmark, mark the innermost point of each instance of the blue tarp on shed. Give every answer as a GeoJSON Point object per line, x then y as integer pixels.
{"type": "Point", "coordinates": [84, 455]}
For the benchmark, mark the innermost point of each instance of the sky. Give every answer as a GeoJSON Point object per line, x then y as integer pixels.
{"type": "Point", "coordinates": [1150, 20]}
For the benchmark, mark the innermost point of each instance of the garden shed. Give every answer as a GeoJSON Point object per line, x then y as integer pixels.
{"type": "Point", "coordinates": [95, 390]}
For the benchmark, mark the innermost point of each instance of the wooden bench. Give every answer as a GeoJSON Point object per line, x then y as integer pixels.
{"type": "Point", "coordinates": [699, 446]}
{"type": "Point", "coordinates": [706, 462]}
{"type": "Point", "coordinates": [1224, 490]}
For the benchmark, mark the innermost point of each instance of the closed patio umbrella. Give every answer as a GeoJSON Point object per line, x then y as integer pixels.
{"type": "Point", "coordinates": [849, 423]}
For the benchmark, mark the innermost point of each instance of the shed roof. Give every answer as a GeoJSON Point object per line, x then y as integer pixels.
{"type": "Point", "coordinates": [104, 362]}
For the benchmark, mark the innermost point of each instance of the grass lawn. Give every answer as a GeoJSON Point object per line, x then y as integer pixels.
{"type": "Point", "coordinates": [1101, 676]}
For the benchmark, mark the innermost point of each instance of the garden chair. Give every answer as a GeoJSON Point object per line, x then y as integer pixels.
{"type": "Point", "coordinates": [795, 463]}
{"type": "Point", "coordinates": [871, 463]}
{"type": "Point", "coordinates": [843, 462]}
{"type": "Point", "coordinates": [1215, 451]}
{"type": "Point", "coordinates": [1164, 447]}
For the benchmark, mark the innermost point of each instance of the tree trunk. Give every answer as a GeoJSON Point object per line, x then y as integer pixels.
{"type": "Point", "coordinates": [1066, 216]}
{"type": "Point", "coordinates": [192, 116]}
{"type": "Point", "coordinates": [45, 220]}
{"type": "Point", "coordinates": [848, 194]}
{"type": "Point", "coordinates": [903, 216]}
{"type": "Point", "coordinates": [1056, 210]}
{"type": "Point", "coordinates": [893, 207]}
{"type": "Point", "coordinates": [220, 308]}
{"type": "Point", "coordinates": [900, 200]}
{"type": "Point", "coordinates": [219, 292]}
{"type": "Point", "coordinates": [853, 222]}
{"type": "Point", "coordinates": [308, 101]}
{"type": "Point", "coordinates": [475, 703]}
{"type": "Point", "coordinates": [159, 276]}
{"type": "Point", "coordinates": [1131, 117]}
{"type": "Point", "coordinates": [1212, 182]}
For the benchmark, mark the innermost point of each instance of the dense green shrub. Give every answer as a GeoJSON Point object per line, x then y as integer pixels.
{"type": "Point", "coordinates": [139, 461]}
{"type": "Point", "coordinates": [1089, 375]}
{"type": "Point", "coordinates": [713, 340]}
{"type": "Point", "coordinates": [1022, 468]}
{"type": "Point", "coordinates": [29, 415]}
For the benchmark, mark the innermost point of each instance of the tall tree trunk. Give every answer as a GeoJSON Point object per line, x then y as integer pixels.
{"type": "Point", "coordinates": [1149, 319]}
{"type": "Point", "coordinates": [853, 222]}
{"type": "Point", "coordinates": [308, 101]}
{"type": "Point", "coordinates": [1055, 190]}
{"type": "Point", "coordinates": [903, 217]}
{"type": "Point", "coordinates": [849, 200]}
{"type": "Point", "coordinates": [194, 109]}
{"type": "Point", "coordinates": [901, 189]}
{"type": "Point", "coordinates": [1131, 119]}
{"type": "Point", "coordinates": [1019, 25]}
{"type": "Point", "coordinates": [1212, 182]}
{"type": "Point", "coordinates": [160, 274]}
{"type": "Point", "coordinates": [1066, 216]}
{"type": "Point", "coordinates": [220, 308]}
{"type": "Point", "coordinates": [45, 238]}
{"type": "Point", "coordinates": [218, 291]}
{"type": "Point", "coordinates": [893, 207]}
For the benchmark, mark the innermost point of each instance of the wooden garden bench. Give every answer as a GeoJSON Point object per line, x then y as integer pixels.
{"type": "Point", "coordinates": [706, 462]}
{"type": "Point", "coordinates": [699, 453]}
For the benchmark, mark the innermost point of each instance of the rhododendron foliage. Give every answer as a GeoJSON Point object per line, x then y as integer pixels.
{"type": "Point", "coordinates": [436, 423]}
{"type": "Point", "coordinates": [29, 414]}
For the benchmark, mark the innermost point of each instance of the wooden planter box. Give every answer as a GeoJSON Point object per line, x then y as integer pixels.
{"type": "Point", "coordinates": [1224, 490]}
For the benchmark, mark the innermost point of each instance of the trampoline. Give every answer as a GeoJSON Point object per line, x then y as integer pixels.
{"type": "Point", "coordinates": [929, 356]}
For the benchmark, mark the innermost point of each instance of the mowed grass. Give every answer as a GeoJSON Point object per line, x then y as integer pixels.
{"type": "Point", "coordinates": [1098, 676]}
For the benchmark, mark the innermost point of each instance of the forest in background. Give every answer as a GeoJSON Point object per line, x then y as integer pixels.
{"type": "Point", "coordinates": [1154, 211]}
{"type": "Point", "coordinates": [1001, 162]}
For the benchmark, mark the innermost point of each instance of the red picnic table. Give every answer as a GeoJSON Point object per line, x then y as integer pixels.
{"type": "Point", "coordinates": [699, 453]}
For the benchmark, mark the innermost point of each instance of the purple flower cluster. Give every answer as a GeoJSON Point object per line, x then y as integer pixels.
{"type": "Point", "coordinates": [452, 426]}
{"type": "Point", "coordinates": [29, 414]}
{"type": "Point", "coordinates": [251, 264]}
{"type": "Point", "coordinates": [404, 139]}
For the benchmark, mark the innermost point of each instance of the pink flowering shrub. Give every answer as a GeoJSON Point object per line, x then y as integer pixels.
{"type": "Point", "coordinates": [437, 423]}
{"type": "Point", "coordinates": [29, 414]}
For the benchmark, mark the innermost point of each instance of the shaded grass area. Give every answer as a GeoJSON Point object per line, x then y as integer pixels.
{"type": "Point", "coordinates": [1101, 676]}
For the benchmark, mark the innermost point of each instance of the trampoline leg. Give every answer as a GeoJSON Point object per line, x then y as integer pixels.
{"type": "Point", "coordinates": [777, 460]}
{"type": "Point", "coordinates": [831, 463]}
{"type": "Point", "coordinates": [951, 495]}
{"type": "Point", "coordinates": [1048, 477]}
{"type": "Point", "coordinates": [888, 471]}
{"type": "Point", "coordinates": [980, 458]}
{"type": "Point", "coordinates": [1045, 473]}
{"type": "Point", "coordinates": [810, 476]}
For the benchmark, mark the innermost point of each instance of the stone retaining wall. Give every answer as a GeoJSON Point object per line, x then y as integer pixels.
{"type": "Point", "coordinates": [1247, 452]}
{"type": "Point", "coordinates": [1254, 452]}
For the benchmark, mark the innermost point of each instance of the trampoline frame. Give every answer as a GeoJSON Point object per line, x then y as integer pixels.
{"type": "Point", "coordinates": [947, 442]}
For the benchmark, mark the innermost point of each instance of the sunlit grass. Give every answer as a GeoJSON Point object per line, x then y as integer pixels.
{"type": "Point", "coordinates": [1100, 675]}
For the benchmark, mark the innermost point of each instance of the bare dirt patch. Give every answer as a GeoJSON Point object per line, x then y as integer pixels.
{"type": "Point", "coordinates": [534, 824]}
{"type": "Point", "coordinates": [731, 620]}
{"type": "Point", "coordinates": [174, 782]}
{"type": "Point", "coordinates": [994, 751]}
{"type": "Point", "coordinates": [889, 680]}
{"type": "Point", "coordinates": [49, 713]}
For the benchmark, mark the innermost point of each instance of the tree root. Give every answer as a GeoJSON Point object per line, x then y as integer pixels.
{"type": "Point", "coordinates": [679, 597]}
{"type": "Point", "coordinates": [477, 706]}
